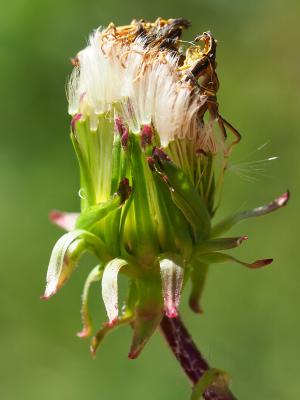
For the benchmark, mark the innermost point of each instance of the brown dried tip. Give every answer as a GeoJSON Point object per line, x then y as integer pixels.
{"type": "Point", "coordinates": [124, 190]}
{"type": "Point", "coordinates": [260, 263]}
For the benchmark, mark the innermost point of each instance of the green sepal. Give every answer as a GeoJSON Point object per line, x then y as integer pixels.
{"type": "Point", "coordinates": [227, 223]}
{"type": "Point", "coordinates": [216, 379]}
{"type": "Point", "coordinates": [217, 258]}
{"type": "Point", "coordinates": [94, 276]}
{"type": "Point", "coordinates": [198, 278]}
{"type": "Point", "coordinates": [187, 199]}
{"type": "Point", "coordinates": [148, 314]}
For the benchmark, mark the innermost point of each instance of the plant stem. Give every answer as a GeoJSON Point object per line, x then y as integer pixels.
{"type": "Point", "coordinates": [190, 358]}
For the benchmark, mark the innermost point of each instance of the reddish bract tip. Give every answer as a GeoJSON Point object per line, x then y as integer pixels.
{"type": "Point", "coordinates": [159, 155]}
{"type": "Point", "coordinates": [122, 130]}
{"type": "Point", "coordinates": [84, 333]}
{"type": "Point", "coordinates": [268, 261]}
{"type": "Point", "coordinates": [111, 323]}
{"type": "Point", "coordinates": [124, 137]}
{"type": "Point", "coordinates": [74, 120]}
{"type": "Point", "coordinates": [172, 313]}
{"type": "Point", "coordinates": [151, 163]}
{"type": "Point", "coordinates": [241, 240]}
{"type": "Point", "coordinates": [195, 305]}
{"type": "Point", "coordinates": [118, 125]}
{"type": "Point", "coordinates": [50, 293]}
{"type": "Point", "coordinates": [124, 190]}
{"type": "Point", "coordinates": [75, 61]}
{"type": "Point", "coordinates": [47, 297]}
{"type": "Point", "coordinates": [201, 152]}
{"type": "Point", "coordinates": [54, 215]}
{"type": "Point", "coordinates": [64, 220]}
{"type": "Point", "coordinates": [283, 199]}
{"type": "Point", "coordinates": [133, 354]}
{"type": "Point", "coordinates": [146, 136]}
{"type": "Point", "coordinates": [93, 351]}
{"type": "Point", "coordinates": [261, 263]}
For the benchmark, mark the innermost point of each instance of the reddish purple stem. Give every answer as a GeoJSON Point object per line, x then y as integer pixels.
{"type": "Point", "coordinates": [189, 357]}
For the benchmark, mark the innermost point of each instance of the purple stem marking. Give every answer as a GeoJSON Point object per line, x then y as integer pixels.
{"type": "Point", "coordinates": [189, 357]}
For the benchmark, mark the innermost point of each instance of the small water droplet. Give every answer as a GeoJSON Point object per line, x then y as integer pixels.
{"type": "Point", "coordinates": [82, 194]}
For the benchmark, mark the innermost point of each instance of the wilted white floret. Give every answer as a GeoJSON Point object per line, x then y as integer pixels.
{"type": "Point", "coordinates": [143, 84]}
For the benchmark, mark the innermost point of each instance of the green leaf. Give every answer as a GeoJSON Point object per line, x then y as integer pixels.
{"type": "Point", "coordinates": [229, 222]}
{"type": "Point", "coordinates": [94, 276]}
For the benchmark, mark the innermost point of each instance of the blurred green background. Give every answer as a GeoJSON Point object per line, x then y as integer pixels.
{"type": "Point", "coordinates": [251, 323]}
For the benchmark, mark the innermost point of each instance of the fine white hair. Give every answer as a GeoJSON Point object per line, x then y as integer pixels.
{"type": "Point", "coordinates": [145, 88]}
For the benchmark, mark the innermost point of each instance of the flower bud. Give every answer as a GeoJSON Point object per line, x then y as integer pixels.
{"type": "Point", "coordinates": [153, 150]}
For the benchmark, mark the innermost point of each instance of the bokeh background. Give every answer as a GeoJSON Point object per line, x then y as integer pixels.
{"type": "Point", "coordinates": [251, 323]}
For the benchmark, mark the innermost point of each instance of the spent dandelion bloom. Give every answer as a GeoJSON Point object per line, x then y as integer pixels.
{"type": "Point", "coordinates": [153, 150]}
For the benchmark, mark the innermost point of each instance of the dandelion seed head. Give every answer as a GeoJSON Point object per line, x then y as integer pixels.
{"type": "Point", "coordinates": [144, 81]}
